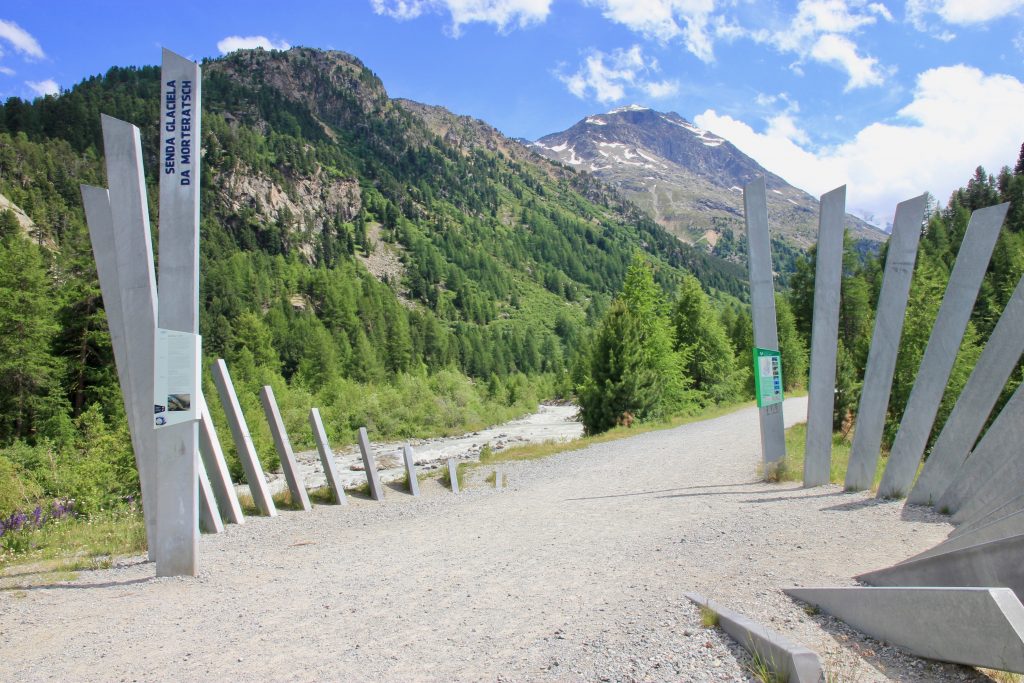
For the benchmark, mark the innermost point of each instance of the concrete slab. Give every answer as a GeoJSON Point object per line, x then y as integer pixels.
{"type": "Point", "coordinates": [824, 338]}
{"type": "Point", "coordinates": [372, 478]}
{"type": "Point", "coordinates": [243, 440]}
{"type": "Point", "coordinates": [972, 626]}
{"type": "Point", "coordinates": [994, 471]}
{"type": "Point", "coordinates": [453, 475]}
{"type": "Point", "coordinates": [323, 447]}
{"type": "Point", "coordinates": [940, 354]}
{"type": "Point", "coordinates": [216, 467]}
{"type": "Point", "coordinates": [762, 308]}
{"type": "Point", "coordinates": [209, 514]}
{"type": "Point", "coordinates": [410, 470]}
{"type": "Point", "coordinates": [284, 449]}
{"type": "Point", "coordinates": [997, 361]}
{"type": "Point", "coordinates": [791, 661]}
{"type": "Point", "coordinates": [885, 342]}
{"type": "Point", "coordinates": [996, 530]}
{"type": "Point", "coordinates": [993, 564]}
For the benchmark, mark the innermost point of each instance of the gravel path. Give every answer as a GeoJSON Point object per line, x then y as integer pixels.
{"type": "Point", "coordinates": [576, 571]}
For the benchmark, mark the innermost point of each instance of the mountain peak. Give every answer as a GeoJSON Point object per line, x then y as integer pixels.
{"type": "Point", "coordinates": [687, 178]}
{"type": "Point", "coordinates": [629, 107]}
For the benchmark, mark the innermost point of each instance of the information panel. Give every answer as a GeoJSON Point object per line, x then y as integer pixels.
{"type": "Point", "coordinates": [176, 378]}
{"type": "Point", "coordinates": [767, 377]}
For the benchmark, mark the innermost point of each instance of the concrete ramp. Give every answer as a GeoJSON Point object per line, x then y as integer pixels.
{"type": "Point", "coordinates": [996, 564]}
{"type": "Point", "coordinates": [972, 626]}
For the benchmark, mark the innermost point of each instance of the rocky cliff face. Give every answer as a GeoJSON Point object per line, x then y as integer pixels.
{"type": "Point", "coordinates": [689, 179]}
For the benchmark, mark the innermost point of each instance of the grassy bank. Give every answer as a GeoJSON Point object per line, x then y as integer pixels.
{"type": "Point", "coordinates": [56, 551]}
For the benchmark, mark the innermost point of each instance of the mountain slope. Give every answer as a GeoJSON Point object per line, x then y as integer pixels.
{"type": "Point", "coordinates": [688, 179]}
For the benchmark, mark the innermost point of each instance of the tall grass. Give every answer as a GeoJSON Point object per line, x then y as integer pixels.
{"type": "Point", "coordinates": [53, 551]}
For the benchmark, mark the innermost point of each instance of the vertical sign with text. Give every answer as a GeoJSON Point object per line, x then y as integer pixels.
{"type": "Point", "coordinates": [767, 377]}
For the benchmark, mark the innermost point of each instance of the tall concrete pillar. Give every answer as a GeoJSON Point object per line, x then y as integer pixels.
{"type": "Point", "coordinates": [370, 465]}
{"type": "Point", "coordinates": [216, 467]}
{"type": "Point", "coordinates": [323, 447]}
{"type": "Point", "coordinates": [284, 449]}
{"type": "Point", "coordinates": [762, 309]}
{"type": "Point", "coordinates": [943, 345]}
{"type": "Point", "coordinates": [101, 233]}
{"type": "Point", "coordinates": [997, 361]}
{"type": "Point", "coordinates": [178, 444]}
{"type": "Point", "coordinates": [885, 342]}
{"type": "Point", "coordinates": [243, 440]}
{"type": "Point", "coordinates": [824, 339]}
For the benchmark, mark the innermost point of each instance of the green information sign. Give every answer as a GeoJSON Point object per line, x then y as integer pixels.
{"type": "Point", "coordinates": [767, 377]}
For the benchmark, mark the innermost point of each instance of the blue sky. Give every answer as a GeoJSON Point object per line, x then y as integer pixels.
{"type": "Point", "coordinates": [891, 98]}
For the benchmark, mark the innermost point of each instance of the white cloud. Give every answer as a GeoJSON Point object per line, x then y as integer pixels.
{"type": "Point", "coordinates": [47, 87]}
{"type": "Point", "coordinates": [608, 76]}
{"type": "Point", "coordinates": [21, 40]}
{"type": "Point", "coordinates": [820, 31]}
{"type": "Point", "coordinates": [661, 89]}
{"type": "Point", "coordinates": [666, 20]}
{"type": "Point", "coordinates": [232, 43]}
{"type": "Point", "coordinates": [502, 13]}
{"type": "Point", "coordinates": [959, 118]}
{"type": "Point", "coordinates": [959, 12]}
{"type": "Point", "coordinates": [862, 71]}
{"type": "Point", "coordinates": [6, 71]}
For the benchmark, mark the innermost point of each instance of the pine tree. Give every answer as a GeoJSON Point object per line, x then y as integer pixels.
{"type": "Point", "coordinates": [27, 327]}
{"type": "Point", "coordinates": [702, 338]}
{"type": "Point", "coordinates": [634, 372]}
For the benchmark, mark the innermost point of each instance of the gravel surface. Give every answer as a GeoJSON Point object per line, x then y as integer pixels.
{"type": "Point", "coordinates": [576, 571]}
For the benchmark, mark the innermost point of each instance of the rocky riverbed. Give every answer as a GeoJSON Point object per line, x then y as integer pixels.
{"type": "Point", "coordinates": [551, 422]}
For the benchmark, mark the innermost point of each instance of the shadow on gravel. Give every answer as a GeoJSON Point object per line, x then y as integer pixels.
{"type": "Point", "coordinates": [77, 586]}
{"type": "Point", "coordinates": [783, 499]}
{"type": "Point", "coordinates": [681, 495]}
{"type": "Point", "coordinates": [860, 504]}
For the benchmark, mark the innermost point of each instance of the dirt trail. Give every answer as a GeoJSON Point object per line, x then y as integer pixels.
{"type": "Point", "coordinates": [575, 572]}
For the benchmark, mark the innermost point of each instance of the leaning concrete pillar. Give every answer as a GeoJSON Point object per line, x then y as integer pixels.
{"type": "Point", "coordinates": [209, 514]}
{"type": "Point", "coordinates": [885, 342]}
{"type": "Point", "coordinates": [453, 475]}
{"type": "Point", "coordinates": [824, 339]}
{"type": "Point", "coordinates": [410, 470]}
{"type": "Point", "coordinates": [243, 440]}
{"type": "Point", "coordinates": [762, 309]}
{"type": "Point", "coordinates": [1004, 509]}
{"type": "Point", "coordinates": [370, 465]}
{"type": "Point", "coordinates": [943, 345]}
{"type": "Point", "coordinates": [101, 233]}
{"type": "Point", "coordinates": [133, 246]}
{"type": "Point", "coordinates": [323, 447]}
{"type": "Point", "coordinates": [216, 467]}
{"type": "Point", "coordinates": [994, 472]}
{"type": "Point", "coordinates": [997, 361]}
{"type": "Point", "coordinates": [284, 449]}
